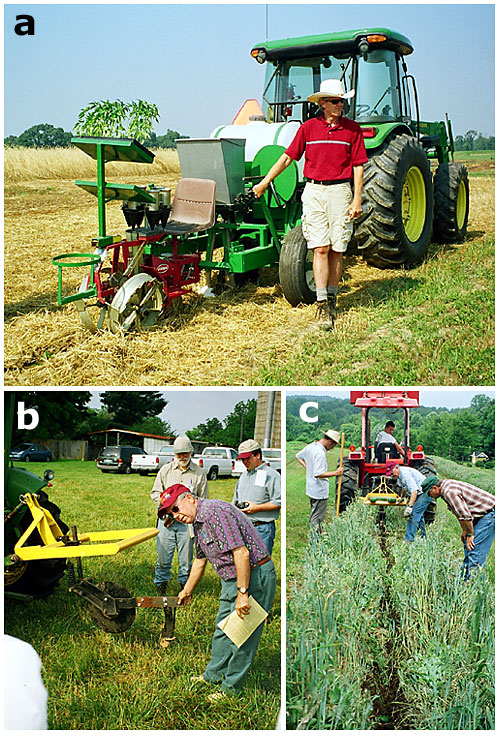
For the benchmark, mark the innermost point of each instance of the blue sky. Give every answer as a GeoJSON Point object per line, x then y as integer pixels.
{"type": "Point", "coordinates": [186, 409]}
{"type": "Point", "coordinates": [450, 398]}
{"type": "Point", "coordinates": [193, 61]}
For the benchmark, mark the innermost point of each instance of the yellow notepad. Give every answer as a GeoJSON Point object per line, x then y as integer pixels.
{"type": "Point", "coordinates": [239, 629]}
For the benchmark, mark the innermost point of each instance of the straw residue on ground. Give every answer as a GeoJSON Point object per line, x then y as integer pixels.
{"type": "Point", "coordinates": [231, 339]}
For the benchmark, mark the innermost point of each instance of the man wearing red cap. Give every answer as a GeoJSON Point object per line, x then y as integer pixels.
{"type": "Point", "coordinates": [226, 537]}
{"type": "Point", "coordinates": [258, 491]}
{"type": "Point", "coordinates": [183, 470]}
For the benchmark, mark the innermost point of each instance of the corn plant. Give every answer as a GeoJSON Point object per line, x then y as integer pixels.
{"type": "Point", "coordinates": [117, 118]}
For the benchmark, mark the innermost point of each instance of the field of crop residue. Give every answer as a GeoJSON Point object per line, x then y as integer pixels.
{"type": "Point", "coordinates": [383, 635]}
{"type": "Point", "coordinates": [431, 325]}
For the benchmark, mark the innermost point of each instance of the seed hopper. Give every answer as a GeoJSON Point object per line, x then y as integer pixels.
{"type": "Point", "coordinates": [213, 225]}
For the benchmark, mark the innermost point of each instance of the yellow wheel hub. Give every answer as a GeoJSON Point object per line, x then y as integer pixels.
{"type": "Point", "coordinates": [413, 204]}
{"type": "Point", "coordinates": [461, 205]}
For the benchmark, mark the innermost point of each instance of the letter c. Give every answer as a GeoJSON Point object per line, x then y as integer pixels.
{"type": "Point", "coordinates": [303, 412]}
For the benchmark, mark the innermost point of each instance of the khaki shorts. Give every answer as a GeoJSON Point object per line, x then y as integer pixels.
{"type": "Point", "coordinates": [324, 215]}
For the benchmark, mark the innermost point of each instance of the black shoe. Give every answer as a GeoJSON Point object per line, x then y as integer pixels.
{"type": "Point", "coordinates": [162, 589]}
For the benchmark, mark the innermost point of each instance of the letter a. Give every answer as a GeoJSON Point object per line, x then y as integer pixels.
{"type": "Point", "coordinates": [27, 27]}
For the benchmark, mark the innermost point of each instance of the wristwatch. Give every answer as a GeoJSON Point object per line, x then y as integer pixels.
{"type": "Point", "coordinates": [242, 589]}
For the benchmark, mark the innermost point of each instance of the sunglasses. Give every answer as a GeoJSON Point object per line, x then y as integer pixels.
{"type": "Point", "coordinates": [173, 510]}
{"type": "Point", "coordinates": [334, 102]}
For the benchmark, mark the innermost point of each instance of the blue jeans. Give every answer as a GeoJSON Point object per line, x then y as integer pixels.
{"type": "Point", "coordinates": [177, 535]}
{"type": "Point", "coordinates": [267, 531]}
{"type": "Point", "coordinates": [416, 520]}
{"type": "Point", "coordinates": [484, 534]}
{"type": "Point", "coordinates": [229, 665]}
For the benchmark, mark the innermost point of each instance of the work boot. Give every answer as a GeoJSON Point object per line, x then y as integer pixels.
{"type": "Point", "coordinates": [323, 318]}
{"type": "Point", "coordinates": [332, 306]}
{"type": "Point", "coordinates": [162, 588]}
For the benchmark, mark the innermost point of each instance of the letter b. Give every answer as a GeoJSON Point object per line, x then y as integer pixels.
{"type": "Point", "coordinates": [21, 417]}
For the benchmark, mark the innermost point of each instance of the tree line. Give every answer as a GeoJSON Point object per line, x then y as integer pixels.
{"type": "Point", "coordinates": [67, 415]}
{"type": "Point", "coordinates": [453, 434]}
{"type": "Point", "coordinates": [47, 136]}
{"type": "Point", "coordinates": [473, 141]}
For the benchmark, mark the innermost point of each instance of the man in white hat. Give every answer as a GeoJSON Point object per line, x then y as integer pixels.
{"type": "Point", "coordinates": [313, 459]}
{"type": "Point", "coordinates": [174, 534]}
{"type": "Point", "coordinates": [334, 157]}
{"type": "Point", "coordinates": [258, 491]}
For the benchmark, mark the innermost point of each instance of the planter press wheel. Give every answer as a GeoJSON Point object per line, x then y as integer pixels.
{"type": "Point", "coordinates": [123, 619]}
{"type": "Point", "coordinates": [137, 304]}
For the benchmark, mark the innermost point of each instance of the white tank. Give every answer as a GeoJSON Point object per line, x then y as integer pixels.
{"type": "Point", "coordinates": [258, 134]}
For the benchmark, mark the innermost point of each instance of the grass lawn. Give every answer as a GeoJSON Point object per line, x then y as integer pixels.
{"type": "Point", "coordinates": [102, 681]}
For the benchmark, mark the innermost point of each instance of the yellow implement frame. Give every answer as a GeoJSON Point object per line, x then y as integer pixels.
{"type": "Point", "coordinates": [383, 496]}
{"type": "Point", "coordinates": [57, 545]}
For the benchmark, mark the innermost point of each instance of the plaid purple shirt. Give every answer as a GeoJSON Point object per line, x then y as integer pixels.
{"type": "Point", "coordinates": [219, 527]}
{"type": "Point", "coordinates": [467, 502]}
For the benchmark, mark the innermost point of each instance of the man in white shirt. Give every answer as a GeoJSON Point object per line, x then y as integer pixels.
{"type": "Point", "coordinates": [386, 437]}
{"type": "Point", "coordinates": [313, 460]}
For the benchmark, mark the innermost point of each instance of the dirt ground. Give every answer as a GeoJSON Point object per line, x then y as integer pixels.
{"type": "Point", "coordinates": [221, 341]}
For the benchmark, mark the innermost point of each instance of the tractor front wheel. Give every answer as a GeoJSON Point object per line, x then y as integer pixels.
{"type": "Point", "coordinates": [451, 202]}
{"type": "Point", "coordinates": [295, 269]}
{"type": "Point", "coordinates": [395, 227]}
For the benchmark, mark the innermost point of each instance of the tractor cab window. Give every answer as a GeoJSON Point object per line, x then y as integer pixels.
{"type": "Point", "coordinates": [289, 84]}
{"type": "Point", "coordinates": [377, 95]}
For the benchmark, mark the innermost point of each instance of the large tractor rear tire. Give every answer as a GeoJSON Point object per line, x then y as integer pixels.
{"type": "Point", "coordinates": [295, 270]}
{"type": "Point", "coordinates": [451, 202]}
{"type": "Point", "coordinates": [395, 227]}
{"type": "Point", "coordinates": [427, 467]}
{"type": "Point", "coordinates": [38, 578]}
{"type": "Point", "coordinates": [349, 485]}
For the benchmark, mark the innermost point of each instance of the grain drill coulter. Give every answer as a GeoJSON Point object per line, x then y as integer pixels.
{"type": "Point", "coordinates": [39, 548]}
{"type": "Point", "coordinates": [364, 469]}
{"type": "Point", "coordinates": [216, 225]}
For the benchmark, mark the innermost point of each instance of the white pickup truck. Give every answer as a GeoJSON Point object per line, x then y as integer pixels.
{"type": "Point", "coordinates": [151, 463]}
{"type": "Point", "coordinates": [216, 461]}
{"type": "Point", "coordinates": [270, 456]}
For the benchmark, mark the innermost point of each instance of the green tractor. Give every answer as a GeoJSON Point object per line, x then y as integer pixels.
{"type": "Point", "coordinates": [216, 225]}
{"type": "Point", "coordinates": [404, 205]}
{"type": "Point", "coordinates": [39, 548]}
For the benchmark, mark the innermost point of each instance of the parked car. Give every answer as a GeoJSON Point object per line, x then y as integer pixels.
{"type": "Point", "coordinates": [116, 458]}
{"type": "Point", "coordinates": [29, 452]}
{"type": "Point", "coordinates": [216, 461]}
{"type": "Point", "coordinates": [152, 462]}
{"type": "Point", "coordinates": [270, 457]}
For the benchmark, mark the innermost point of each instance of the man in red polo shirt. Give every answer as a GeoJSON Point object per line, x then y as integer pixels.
{"type": "Point", "coordinates": [334, 157]}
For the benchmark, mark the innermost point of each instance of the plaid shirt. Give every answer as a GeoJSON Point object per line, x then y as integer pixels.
{"type": "Point", "coordinates": [467, 502]}
{"type": "Point", "coordinates": [219, 527]}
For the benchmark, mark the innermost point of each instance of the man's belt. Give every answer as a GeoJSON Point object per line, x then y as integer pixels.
{"type": "Point", "coordinates": [259, 523]}
{"type": "Point", "coordinates": [261, 562]}
{"type": "Point", "coordinates": [478, 518]}
{"type": "Point", "coordinates": [327, 183]}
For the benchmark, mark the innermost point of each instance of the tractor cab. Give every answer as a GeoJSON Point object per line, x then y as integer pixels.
{"type": "Point", "coordinates": [369, 61]}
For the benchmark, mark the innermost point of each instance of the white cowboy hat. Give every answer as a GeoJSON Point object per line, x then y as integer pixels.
{"type": "Point", "coordinates": [331, 434]}
{"type": "Point", "coordinates": [330, 88]}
